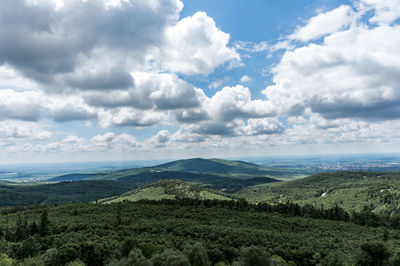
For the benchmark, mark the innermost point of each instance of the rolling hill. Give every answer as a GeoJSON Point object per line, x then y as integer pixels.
{"type": "Point", "coordinates": [168, 189]}
{"type": "Point", "coordinates": [353, 191]}
{"type": "Point", "coordinates": [95, 234]}
{"type": "Point", "coordinates": [237, 169]}
{"type": "Point", "coordinates": [220, 167]}
{"type": "Point", "coordinates": [227, 176]}
{"type": "Point", "coordinates": [64, 192]}
{"type": "Point", "coordinates": [222, 175]}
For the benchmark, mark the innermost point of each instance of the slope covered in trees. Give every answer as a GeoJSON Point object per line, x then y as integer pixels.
{"type": "Point", "coordinates": [193, 232]}
{"type": "Point", "coordinates": [210, 167]}
{"type": "Point", "coordinates": [63, 192]}
{"type": "Point", "coordinates": [354, 191]}
{"type": "Point", "coordinates": [168, 189]}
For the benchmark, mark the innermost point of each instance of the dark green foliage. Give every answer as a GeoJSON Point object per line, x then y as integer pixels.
{"type": "Point", "coordinates": [64, 254]}
{"type": "Point", "coordinates": [374, 253]}
{"type": "Point", "coordinates": [193, 231]}
{"type": "Point", "coordinates": [33, 228]}
{"type": "Point", "coordinates": [254, 256]}
{"type": "Point", "coordinates": [19, 230]}
{"type": "Point", "coordinates": [136, 258]}
{"type": "Point", "coordinates": [94, 254]}
{"type": "Point", "coordinates": [216, 166]}
{"type": "Point", "coordinates": [119, 213]}
{"type": "Point", "coordinates": [44, 223]}
{"type": "Point", "coordinates": [395, 260]}
{"type": "Point", "coordinates": [170, 258]}
{"type": "Point", "coordinates": [197, 254]}
{"type": "Point", "coordinates": [376, 193]}
{"type": "Point", "coordinates": [74, 177]}
{"type": "Point", "coordinates": [64, 192]}
{"type": "Point", "coordinates": [229, 184]}
{"type": "Point", "coordinates": [26, 248]}
{"type": "Point", "coordinates": [127, 246]}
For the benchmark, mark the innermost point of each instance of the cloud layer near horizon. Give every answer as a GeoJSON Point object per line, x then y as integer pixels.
{"type": "Point", "coordinates": [128, 64]}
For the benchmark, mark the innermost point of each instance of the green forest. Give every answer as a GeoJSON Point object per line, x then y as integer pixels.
{"type": "Point", "coordinates": [175, 214]}
{"type": "Point", "coordinates": [194, 232]}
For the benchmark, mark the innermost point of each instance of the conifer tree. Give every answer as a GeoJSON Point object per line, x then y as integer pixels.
{"type": "Point", "coordinates": [44, 223]}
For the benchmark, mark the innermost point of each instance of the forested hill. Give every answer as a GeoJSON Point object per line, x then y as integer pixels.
{"type": "Point", "coordinates": [215, 166]}
{"type": "Point", "coordinates": [169, 189]}
{"type": "Point", "coordinates": [193, 232]}
{"type": "Point", "coordinates": [63, 192]}
{"type": "Point", "coordinates": [217, 174]}
{"type": "Point", "coordinates": [354, 191]}
{"type": "Point", "coordinates": [84, 187]}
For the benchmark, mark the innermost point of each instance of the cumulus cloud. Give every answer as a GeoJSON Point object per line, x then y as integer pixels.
{"type": "Point", "coordinates": [245, 79]}
{"type": "Point", "coordinates": [124, 117]}
{"type": "Point", "coordinates": [82, 60]}
{"type": "Point", "coordinates": [103, 79]}
{"type": "Point", "coordinates": [196, 46]}
{"type": "Point", "coordinates": [72, 139]}
{"type": "Point", "coordinates": [94, 45]}
{"type": "Point", "coordinates": [186, 134]}
{"type": "Point", "coordinates": [162, 91]}
{"type": "Point", "coordinates": [317, 130]}
{"type": "Point", "coordinates": [20, 105]}
{"type": "Point", "coordinates": [160, 139]}
{"type": "Point", "coordinates": [191, 115]}
{"type": "Point", "coordinates": [109, 141]}
{"type": "Point", "coordinates": [71, 112]}
{"type": "Point", "coordinates": [225, 114]}
{"type": "Point", "coordinates": [33, 105]}
{"type": "Point", "coordinates": [384, 11]}
{"type": "Point", "coordinates": [263, 126]}
{"type": "Point", "coordinates": [235, 102]}
{"type": "Point", "coordinates": [353, 73]}
{"type": "Point", "coordinates": [324, 23]}
{"type": "Point", "coordinates": [44, 41]}
{"type": "Point", "coordinates": [126, 140]}
{"type": "Point", "coordinates": [12, 131]}
{"type": "Point", "coordinates": [168, 91]}
{"type": "Point", "coordinates": [125, 63]}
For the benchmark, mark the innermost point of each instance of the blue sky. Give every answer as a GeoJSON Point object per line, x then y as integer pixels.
{"type": "Point", "coordinates": [134, 79]}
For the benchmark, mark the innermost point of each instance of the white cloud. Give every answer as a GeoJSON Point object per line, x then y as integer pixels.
{"type": "Point", "coordinates": [12, 131]}
{"type": "Point", "coordinates": [235, 102]}
{"type": "Point", "coordinates": [109, 141]}
{"type": "Point", "coordinates": [124, 117]}
{"type": "Point", "coordinates": [38, 32]}
{"type": "Point", "coordinates": [106, 138]}
{"type": "Point", "coordinates": [126, 67]}
{"type": "Point", "coordinates": [186, 134]}
{"type": "Point", "coordinates": [167, 91]}
{"type": "Point", "coordinates": [263, 126]}
{"type": "Point", "coordinates": [163, 91]}
{"type": "Point", "coordinates": [252, 47]}
{"type": "Point", "coordinates": [353, 73]}
{"type": "Point", "coordinates": [127, 140]}
{"type": "Point", "coordinates": [72, 139]}
{"type": "Point", "coordinates": [218, 83]}
{"type": "Point", "coordinates": [160, 139]}
{"type": "Point", "coordinates": [385, 11]}
{"type": "Point", "coordinates": [196, 46]}
{"type": "Point", "coordinates": [20, 105]}
{"type": "Point", "coordinates": [245, 79]}
{"type": "Point", "coordinates": [324, 23]}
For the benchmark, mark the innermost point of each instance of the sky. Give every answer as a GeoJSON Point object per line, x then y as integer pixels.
{"type": "Point", "coordinates": [104, 80]}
